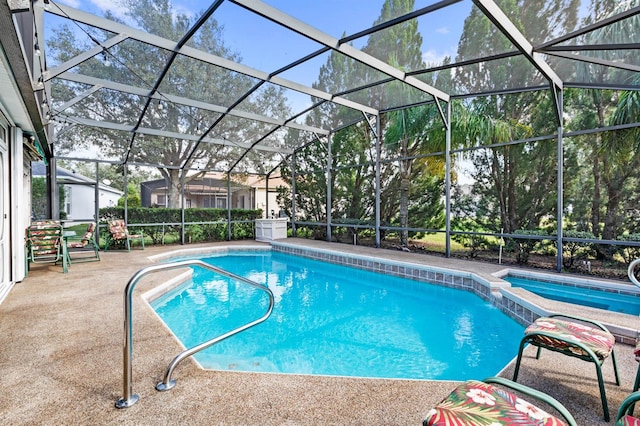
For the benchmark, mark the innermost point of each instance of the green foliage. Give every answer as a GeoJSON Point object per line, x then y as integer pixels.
{"type": "Point", "coordinates": [133, 196]}
{"type": "Point", "coordinates": [629, 253]}
{"type": "Point", "coordinates": [574, 251]}
{"type": "Point", "coordinates": [38, 198]}
{"type": "Point", "coordinates": [524, 247]}
{"type": "Point", "coordinates": [474, 242]}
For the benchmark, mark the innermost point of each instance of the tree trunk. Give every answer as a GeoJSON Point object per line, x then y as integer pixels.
{"type": "Point", "coordinates": [596, 199]}
{"type": "Point", "coordinates": [405, 185]}
{"type": "Point", "coordinates": [173, 189]}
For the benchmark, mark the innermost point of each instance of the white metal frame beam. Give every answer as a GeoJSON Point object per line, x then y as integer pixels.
{"type": "Point", "coordinates": [54, 72]}
{"type": "Point", "coordinates": [133, 90]}
{"type": "Point", "coordinates": [130, 128]}
{"type": "Point", "coordinates": [499, 19]}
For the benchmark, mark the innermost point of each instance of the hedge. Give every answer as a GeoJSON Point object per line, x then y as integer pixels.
{"type": "Point", "coordinates": [198, 227]}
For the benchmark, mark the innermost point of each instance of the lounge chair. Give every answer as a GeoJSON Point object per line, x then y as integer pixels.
{"type": "Point", "coordinates": [85, 245]}
{"type": "Point", "coordinates": [482, 403]}
{"type": "Point", "coordinates": [575, 337]}
{"type": "Point", "coordinates": [118, 232]}
{"type": "Point", "coordinates": [44, 244]}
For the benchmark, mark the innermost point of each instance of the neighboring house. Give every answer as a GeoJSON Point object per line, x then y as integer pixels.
{"type": "Point", "coordinates": [210, 191]}
{"type": "Point", "coordinates": [79, 192]}
{"type": "Point", "coordinates": [266, 201]}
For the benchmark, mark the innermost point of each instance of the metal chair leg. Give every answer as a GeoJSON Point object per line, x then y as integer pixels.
{"type": "Point", "coordinates": [517, 369]}
{"type": "Point", "coordinates": [615, 366]}
{"type": "Point", "coordinates": [603, 395]}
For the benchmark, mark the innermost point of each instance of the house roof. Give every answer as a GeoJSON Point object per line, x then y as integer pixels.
{"type": "Point", "coordinates": [217, 180]}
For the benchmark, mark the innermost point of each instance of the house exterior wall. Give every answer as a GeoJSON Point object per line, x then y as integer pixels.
{"type": "Point", "coordinates": [80, 201]}
{"type": "Point", "coordinates": [261, 201]}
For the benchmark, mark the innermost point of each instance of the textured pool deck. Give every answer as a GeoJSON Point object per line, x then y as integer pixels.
{"type": "Point", "coordinates": [61, 338]}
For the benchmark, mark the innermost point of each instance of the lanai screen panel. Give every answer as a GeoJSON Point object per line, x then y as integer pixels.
{"type": "Point", "coordinates": [76, 139]}
{"type": "Point", "coordinates": [259, 43]}
{"type": "Point", "coordinates": [555, 19]}
{"type": "Point", "coordinates": [312, 57]}
{"type": "Point", "coordinates": [600, 188]}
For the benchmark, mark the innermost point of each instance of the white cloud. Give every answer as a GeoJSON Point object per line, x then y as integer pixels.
{"type": "Point", "coordinates": [433, 57]}
{"type": "Point", "coordinates": [115, 7]}
{"type": "Point", "coordinates": [179, 9]}
{"type": "Point", "coordinates": [443, 30]}
{"type": "Point", "coordinates": [71, 3]}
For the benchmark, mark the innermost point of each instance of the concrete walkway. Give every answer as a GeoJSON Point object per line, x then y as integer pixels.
{"type": "Point", "coordinates": [61, 339]}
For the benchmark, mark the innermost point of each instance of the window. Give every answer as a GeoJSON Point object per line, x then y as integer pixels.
{"type": "Point", "coordinates": [221, 203]}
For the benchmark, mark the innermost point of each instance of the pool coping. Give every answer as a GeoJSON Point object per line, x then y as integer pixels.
{"type": "Point", "coordinates": [520, 304]}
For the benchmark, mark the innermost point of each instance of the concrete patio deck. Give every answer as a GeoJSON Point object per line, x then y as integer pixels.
{"type": "Point", "coordinates": [61, 338]}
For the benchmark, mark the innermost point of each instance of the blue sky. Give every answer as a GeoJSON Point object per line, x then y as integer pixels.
{"type": "Point", "coordinates": [255, 37]}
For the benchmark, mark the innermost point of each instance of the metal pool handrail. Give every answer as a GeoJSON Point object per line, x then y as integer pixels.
{"type": "Point", "coordinates": [129, 397]}
{"type": "Point", "coordinates": [632, 277]}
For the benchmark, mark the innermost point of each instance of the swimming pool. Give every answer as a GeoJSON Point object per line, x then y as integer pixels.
{"type": "Point", "coordinates": [336, 320]}
{"type": "Point", "coordinates": [611, 300]}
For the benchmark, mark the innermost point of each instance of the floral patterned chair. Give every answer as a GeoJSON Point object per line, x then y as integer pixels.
{"type": "Point", "coordinates": [118, 232]}
{"type": "Point", "coordinates": [85, 244]}
{"type": "Point", "coordinates": [576, 337]}
{"type": "Point", "coordinates": [482, 403]}
{"type": "Point", "coordinates": [625, 415]}
{"type": "Point", "coordinates": [44, 244]}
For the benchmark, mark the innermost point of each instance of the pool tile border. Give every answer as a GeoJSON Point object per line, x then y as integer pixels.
{"type": "Point", "coordinates": [609, 287]}
{"type": "Point", "coordinates": [484, 288]}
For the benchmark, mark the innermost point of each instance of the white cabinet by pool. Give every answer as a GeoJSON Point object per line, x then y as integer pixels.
{"type": "Point", "coordinates": [271, 229]}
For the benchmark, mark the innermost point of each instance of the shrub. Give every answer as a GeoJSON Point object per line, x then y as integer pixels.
{"type": "Point", "coordinates": [524, 247]}
{"type": "Point", "coordinates": [629, 253]}
{"type": "Point", "coordinates": [156, 223]}
{"type": "Point", "coordinates": [573, 250]}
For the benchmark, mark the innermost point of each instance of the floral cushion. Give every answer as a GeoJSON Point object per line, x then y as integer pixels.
{"type": "Point", "coordinates": [82, 243]}
{"type": "Point", "coordinates": [636, 352]}
{"type": "Point", "coordinates": [477, 403]}
{"type": "Point", "coordinates": [628, 421]}
{"type": "Point", "coordinates": [599, 341]}
{"type": "Point", "coordinates": [118, 229]}
{"type": "Point", "coordinates": [43, 237]}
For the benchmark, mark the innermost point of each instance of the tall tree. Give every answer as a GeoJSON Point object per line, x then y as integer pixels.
{"type": "Point", "coordinates": [514, 183]}
{"type": "Point", "coordinates": [607, 162]}
{"type": "Point", "coordinates": [139, 64]}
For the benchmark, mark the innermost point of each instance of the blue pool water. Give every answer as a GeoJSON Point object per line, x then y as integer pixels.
{"type": "Point", "coordinates": [336, 320]}
{"type": "Point", "coordinates": [584, 296]}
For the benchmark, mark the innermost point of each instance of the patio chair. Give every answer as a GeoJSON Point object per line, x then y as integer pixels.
{"type": "Point", "coordinates": [118, 232]}
{"type": "Point", "coordinates": [44, 244]}
{"type": "Point", "coordinates": [575, 337]}
{"type": "Point", "coordinates": [85, 245]}
{"type": "Point", "coordinates": [625, 415]}
{"type": "Point", "coordinates": [482, 403]}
